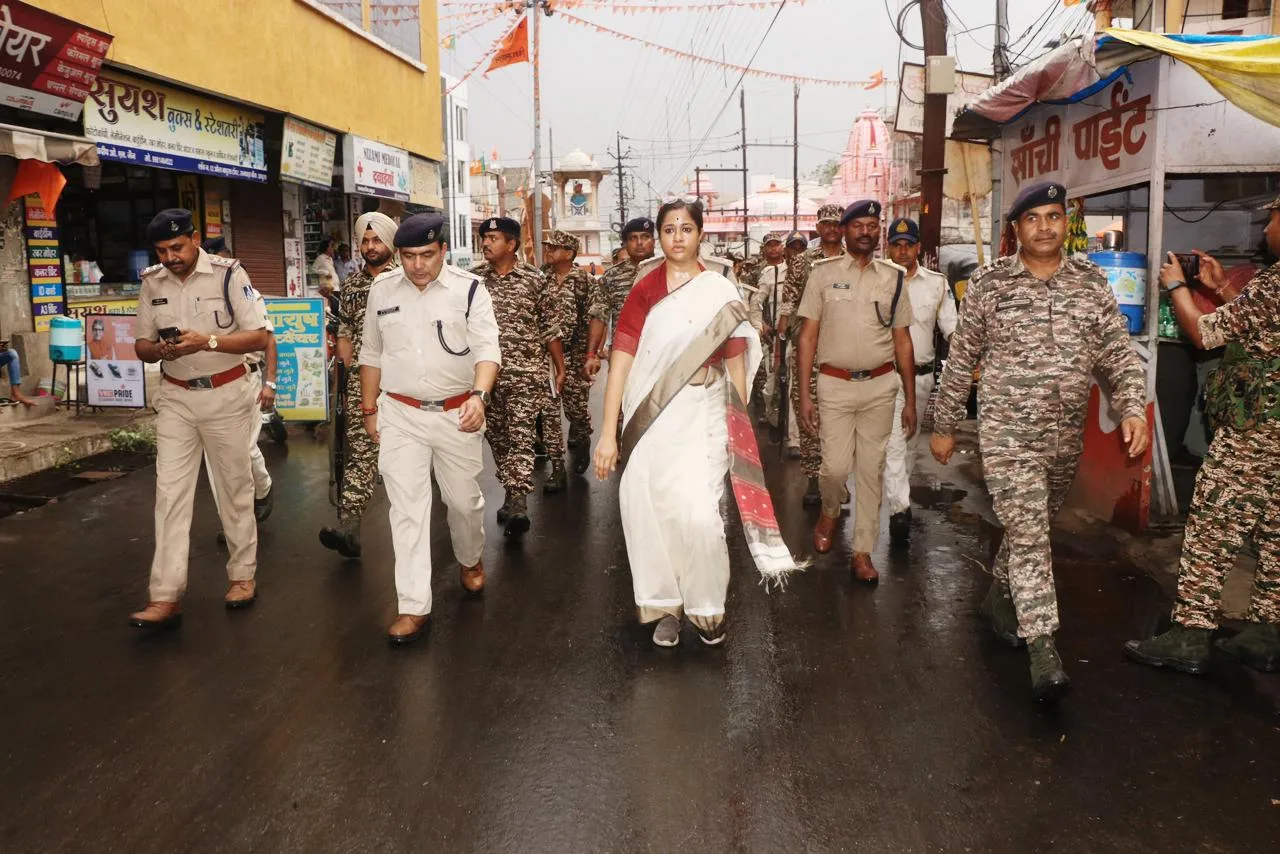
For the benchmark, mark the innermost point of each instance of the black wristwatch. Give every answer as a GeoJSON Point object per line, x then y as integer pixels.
{"type": "Point", "coordinates": [484, 396]}
{"type": "Point", "coordinates": [1173, 286]}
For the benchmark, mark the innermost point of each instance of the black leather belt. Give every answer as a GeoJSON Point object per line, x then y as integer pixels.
{"type": "Point", "coordinates": [924, 370]}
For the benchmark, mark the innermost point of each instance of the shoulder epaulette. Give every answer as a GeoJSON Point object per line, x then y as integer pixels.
{"type": "Point", "coordinates": [154, 268]}
{"type": "Point", "coordinates": [219, 261]}
{"type": "Point", "coordinates": [885, 262]}
{"type": "Point", "coordinates": [828, 260]}
{"type": "Point", "coordinates": [647, 266]}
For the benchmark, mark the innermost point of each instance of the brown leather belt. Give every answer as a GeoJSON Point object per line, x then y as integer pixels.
{"type": "Point", "coordinates": [842, 374]}
{"type": "Point", "coordinates": [221, 379]}
{"type": "Point", "coordinates": [449, 403]}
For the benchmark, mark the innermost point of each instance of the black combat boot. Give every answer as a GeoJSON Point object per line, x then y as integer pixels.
{"type": "Point", "coordinates": [504, 512]}
{"type": "Point", "coordinates": [517, 518]}
{"type": "Point", "coordinates": [1049, 682]}
{"type": "Point", "coordinates": [345, 540]}
{"type": "Point", "coordinates": [997, 609]}
{"type": "Point", "coordinates": [900, 528]}
{"type": "Point", "coordinates": [582, 459]}
{"type": "Point", "coordinates": [1181, 648]}
{"type": "Point", "coordinates": [812, 495]}
{"type": "Point", "coordinates": [1257, 646]}
{"type": "Point", "coordinates": [555, 480]}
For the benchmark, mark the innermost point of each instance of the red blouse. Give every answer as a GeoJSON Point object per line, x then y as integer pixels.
{"type": "Point", "coordinates": [647, 293]}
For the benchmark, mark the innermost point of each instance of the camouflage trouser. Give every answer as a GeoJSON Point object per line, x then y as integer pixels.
{"type": "Point", "coordinates": [517, 400]}
{"type": "Point", "coordinates": [551, 424]}
{"type": "Point", "coordinates": [1235, 496]}
{"type": "Point", "coordinates": [361, 469]}
{"type": "Point", "coordinates": [810, 443]}
{"type": "Point", "coordinates": [1027, 493]}
{"type": "Point", "coordinates": [577, 392]}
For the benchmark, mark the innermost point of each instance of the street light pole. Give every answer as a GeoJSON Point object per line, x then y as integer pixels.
{"type": "Point", "coordinates": [536, 7]}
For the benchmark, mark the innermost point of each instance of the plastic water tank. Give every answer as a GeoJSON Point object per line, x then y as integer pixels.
{"type": "Point", "coordinates": [66, 339]}
{"type": "Point", "coordinates": [1127, 275]}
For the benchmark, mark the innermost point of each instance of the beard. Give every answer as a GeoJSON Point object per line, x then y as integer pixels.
{"type": "Point", "coordinates": [374, 258]}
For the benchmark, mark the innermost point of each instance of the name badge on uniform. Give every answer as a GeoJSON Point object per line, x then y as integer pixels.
{"type": "Point", "coordinates": [385, 311]}
{"type": "Point", "coordinates": [842, 286]}
{"type": "Point", "coordinates": [160, 301]}
{"type": "Point", "coordinates": [1013, 302]}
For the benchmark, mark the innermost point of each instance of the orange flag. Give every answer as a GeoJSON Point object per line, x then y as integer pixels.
{"type": "Point", "coordinates": [43, 179]}
{"type": "Point", "coordinates": [515, 47]}
{"type": "Point", "coordinates": [876, 81]}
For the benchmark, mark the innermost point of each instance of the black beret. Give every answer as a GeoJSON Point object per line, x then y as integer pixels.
{"type": "Point", "coordinates": [866, 207]}
{"type": "Point", "coordinates": [904, 229]}
{"type": "Point", "coordinates": [639, 224]}
{"type": "Point", "coordinates": [419, 230]}
{"type": "Point", "coordinates": [506, 225]}
{"type": "Point", "coordinates": [214, 245]}
{"type": "Point", "coordinates": [170, 223]}
{"type": "Point", "coordinates": [1037, 195]}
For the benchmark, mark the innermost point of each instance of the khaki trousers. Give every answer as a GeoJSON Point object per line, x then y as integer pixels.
{"type": "Point", "coordinates": [190, 423]}
{"type": "Point", "coordinates": [857, 417]}
{"type": "Point", "coordinates": [413, 445]}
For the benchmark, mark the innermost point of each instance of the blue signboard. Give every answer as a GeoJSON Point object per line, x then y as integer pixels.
{"type": "Point", "coordinates": [302, 377]}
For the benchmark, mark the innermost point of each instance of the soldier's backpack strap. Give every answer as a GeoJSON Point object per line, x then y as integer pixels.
{"type": "Point", "coordinates": [893, 306]}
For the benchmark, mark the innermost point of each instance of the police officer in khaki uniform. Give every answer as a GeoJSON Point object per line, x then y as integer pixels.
{"type": "Point", "coordinates": [856, 316]}
{"type": "Point", "coordinates": [199, 315]}
{"type": "Point", "coordinates": [428, 363]}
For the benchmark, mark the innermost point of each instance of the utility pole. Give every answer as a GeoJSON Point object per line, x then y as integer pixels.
{"type": "Point", "coordinates": [934, 142]}
{"type": "Point", "coordinates": [535, 7]}
{"type": "Point", "coordinates": [1000, 56]}
{"type": "Point", "coordinates": [620, 161]}
{"type": "Point", "coordinates": [551, 168]}
{"type": "Point", "coordinates": [795, 163]}
{"type": "Point", "coordinates": [746, 213]}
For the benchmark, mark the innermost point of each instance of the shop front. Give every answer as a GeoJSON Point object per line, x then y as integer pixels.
{"type": "Point", "coordinates": [314, 206]}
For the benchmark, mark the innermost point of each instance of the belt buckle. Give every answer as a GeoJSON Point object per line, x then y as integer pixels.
{"type": "Point", "coordinates": [859, 375]}
{"type": "Point", "coordinates": [431, 406]}
{"type": "Point", "coordinates": [202, 383]}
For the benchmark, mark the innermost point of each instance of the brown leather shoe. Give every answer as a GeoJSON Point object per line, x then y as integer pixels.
{"type": "Point", "coordinates": [823, 533]}
{"type": "Point", "coordinates": [407, 628]}
{"type": "Point", "coordinates": [241, 594]}
{"type": "Point", "coordinates": [157, 615]}
{"type": "Point", "coordinates": [864, 570]}
{"type": "Point", "coordinates": [472, 577]}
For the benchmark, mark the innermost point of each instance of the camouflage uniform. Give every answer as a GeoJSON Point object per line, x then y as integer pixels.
{"type": "Point", "coordinates": [1038, 343]}
{"type": "Point", "coordinates": [798, 269]}
{"type": "Point", "coordinates": [576, 327]}
{"type": "Point", "coordinates": [1236, 488]}
{"type": "Point", "coordinates": [611, 292]}
{"type": "Point", "coordinates": [528, 318]}
{"type": "Point", "coordinates": [361, 468]}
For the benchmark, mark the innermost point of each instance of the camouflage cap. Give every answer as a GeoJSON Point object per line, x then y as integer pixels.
{"type": "Point", "coordinates": [773, 236]}
{"type": "Point", "coordinates": [561, 239]}
{"type": "Point", "coordinates": [830, 213]}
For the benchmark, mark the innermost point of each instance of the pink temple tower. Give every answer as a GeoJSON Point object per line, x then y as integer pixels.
{"type": "Point", "coordinates": [866, 167]}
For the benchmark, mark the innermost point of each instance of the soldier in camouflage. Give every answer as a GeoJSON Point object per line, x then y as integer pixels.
{"type": "Point", "coordinates": [572, 285]}
{"type": "Point", "coordinates": [613, 287]}
{"type": "Point", "coordinates": [1039, 324]}
{"type": "Point", "coordinates": [763, 283]}
{"type": "Point", "coordinates": [799, 264]}
{"type": "Point", "coordinates": [528, 329]}
{"type": "Point", "coordinates": [1236, 488]}
{"type": "Point", "coordinates": [376, 233]}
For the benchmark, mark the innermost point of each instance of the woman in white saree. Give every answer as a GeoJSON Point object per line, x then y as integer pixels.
{"type": "Point", "coordinates": [683, 358]}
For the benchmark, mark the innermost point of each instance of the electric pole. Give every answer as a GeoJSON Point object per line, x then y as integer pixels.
{"type": "Point", "coordinates": [934, 142]}
{"type": "Point", "coordinates": [795, 162]}
{"type": "Point", "coordinates": [1001, 69]}
{"type": "Point", "coordinates": [746, 212]}
{"type": "Point", "coordinates": [620, 159]}
{"type": "Point", "coordinates": [536, 6]}
{"type": "Point", "coordinates": [999, 55]}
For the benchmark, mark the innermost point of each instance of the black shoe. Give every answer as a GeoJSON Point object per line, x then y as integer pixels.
{"type": "Point", "coordinates": [517, 519]}
{"type": "Point", "coordinates": [344, 542]}
{"type": "Point", "coordinates": [556, 480]}
{"type": "Point", "coordinates": [539, 453]}
{"type": "Point", "coordinates": [581, 461]}
{"type": "Point", "coordinates": [1049, 682]}
{"type": "Point", "coordinates": [900, 528]}
{"type": "Point", "coordinates": [1257, 646]}
{"type": "Point", "coordinates": [262, 507]}
{"type": "Point", "coordinates": [998, 610]}
{"type": "Point", "coordinates": [812, 495]}
{"type": "Point", "coordinates": [504, 512]}
{"type": "Point", "coordinates": [1181, 648]}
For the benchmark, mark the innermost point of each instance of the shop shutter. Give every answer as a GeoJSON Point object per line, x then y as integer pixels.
{"type": "Point", "coordinates": [257, 234]}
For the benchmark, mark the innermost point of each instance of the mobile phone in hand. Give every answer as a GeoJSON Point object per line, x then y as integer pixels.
{"type": "Point", "coordinates": [171, 333]}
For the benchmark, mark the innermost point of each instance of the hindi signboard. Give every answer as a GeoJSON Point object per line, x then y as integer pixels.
{"type": "Point", "coordinates": [910, 117]}
{"type": "Point", "coordinates": [302, 377]}
{"type": "Point", "coordinates": [307, 154]}
{"type": "Point", "coordinates": [48, 64]}
{"type": "Point", "coordinates": [116, 376]}
{"type": "Point", "coordinates": [44, 265]}
{"type": "Point", "coordinates": [373, 169]}
{"type": "Point", "coordinates": [149, 124]}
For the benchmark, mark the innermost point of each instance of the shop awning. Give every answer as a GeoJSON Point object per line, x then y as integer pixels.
{"type": "Point", "coordinates": [1245, 69]}
{"type": "Point", "coordinates": [27, 144]}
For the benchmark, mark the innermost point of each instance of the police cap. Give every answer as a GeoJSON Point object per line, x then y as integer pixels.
{"type": "Point", "coordinates": [1038, 195]}
{"type": "Point", "coordinates": [419, 230]}
{"type": "Point", "coordinates": [502, 224]}
{"type": "Point", "coordinates": [638, 225]}
{"type": "Point", "coordinates": [904, 229]}
{"type": "Point", "coordinates": [170, 223]}
{"type": "Point", "coordinates": [857, 210]}
{"type": "Point", "coordinates": [214, 245]}
{"type": "Point", "coordinates": [797, 237]}
{"type": "Point", "coordinates": [830, 213]}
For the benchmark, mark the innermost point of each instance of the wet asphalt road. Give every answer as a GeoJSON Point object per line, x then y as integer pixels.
{"type": "Point", "coordinates": [540, 718]}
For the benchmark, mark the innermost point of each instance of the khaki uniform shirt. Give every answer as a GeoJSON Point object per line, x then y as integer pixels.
{"type": "Point", "coordinates": [853, 306]}
{"type": "Point", "coordinates": [197, 304]}
{"type": "Point", "coordinates": [424, 342]}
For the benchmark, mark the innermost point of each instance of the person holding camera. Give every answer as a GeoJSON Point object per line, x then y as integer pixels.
{"type": "Point", "coordinates": [1236, 487]}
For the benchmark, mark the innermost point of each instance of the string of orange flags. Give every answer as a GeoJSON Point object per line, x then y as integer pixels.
{"type": "Point", "coordinates": [626, 8]}
{"type": "Point", "coordinates": [449, 41]}
{"type": "Point", "coordinates": [874, 82]}
{"type": "Point", "coordinates": [502, 41]}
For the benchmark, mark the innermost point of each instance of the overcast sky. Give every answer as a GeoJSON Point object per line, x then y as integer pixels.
{"type": "Point", "coordinates": [595, 85]}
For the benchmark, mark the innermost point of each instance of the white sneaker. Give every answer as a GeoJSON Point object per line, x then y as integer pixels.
{"type": "Point", "coordinates": [667, 632]}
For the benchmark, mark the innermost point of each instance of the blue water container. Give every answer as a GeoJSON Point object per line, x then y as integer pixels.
{"type": "Point", "coordinates": [66, 339]}
{"type": "Point", "coordinates": [1127, 275]}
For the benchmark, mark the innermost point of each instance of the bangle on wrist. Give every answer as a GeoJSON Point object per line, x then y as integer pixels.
{"type": "Point", "coordinates": [365, 410]}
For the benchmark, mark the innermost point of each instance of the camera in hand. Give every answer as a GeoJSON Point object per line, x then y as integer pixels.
{"type": "Point", "coordinates": [1190, 266]}
{"type": "Point", "coordinates": [171, 333]}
